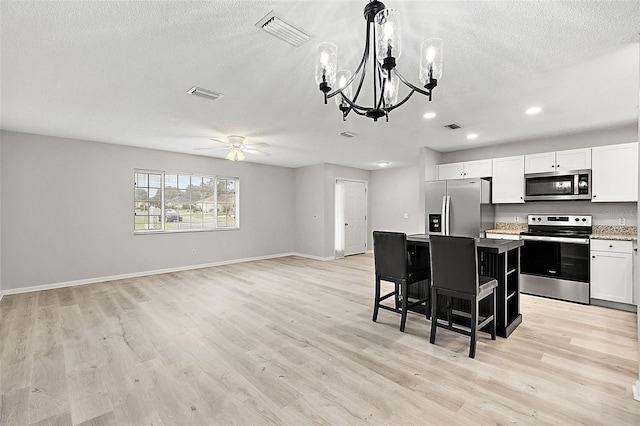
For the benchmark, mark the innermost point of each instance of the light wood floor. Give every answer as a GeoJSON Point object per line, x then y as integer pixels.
{"type": "Point", "coordinates": [290, 341]}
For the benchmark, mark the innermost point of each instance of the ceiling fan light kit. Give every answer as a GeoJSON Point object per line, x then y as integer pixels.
{"type": "Point", "coordinates": [384, 29]}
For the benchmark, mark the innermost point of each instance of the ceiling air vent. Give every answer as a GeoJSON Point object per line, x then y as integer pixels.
{"type": "Point", "coordinates": [204, 93]}
{"type": "Point", "coordinates": [347, 134]}
{"type": "Point", "coordinates": [452, 126]}
{"type": "Point", "coordinates": [277, 27]}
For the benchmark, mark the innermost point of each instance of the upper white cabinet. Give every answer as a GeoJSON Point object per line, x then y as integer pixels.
{"type": "Point", "coordinates": [508, 180]}
{"type": "Point", "coordinates": [573, 159]}
{"type": "Point", "coordinates": [614, 173]}
{"type": "Point", "coordinates": [467, 169]}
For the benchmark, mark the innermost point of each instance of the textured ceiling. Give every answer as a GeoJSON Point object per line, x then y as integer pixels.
{"type": "Point", "coordinates": [118, 72]}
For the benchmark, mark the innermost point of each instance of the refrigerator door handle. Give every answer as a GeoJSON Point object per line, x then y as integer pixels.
{"type": "Point", "coordinates": [443, 216]}
{"type": "Point", "coordinates": [447, 214]}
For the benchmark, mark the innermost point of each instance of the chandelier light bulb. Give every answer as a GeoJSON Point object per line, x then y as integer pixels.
{"type": "Point", "coordinates": [382, 49]}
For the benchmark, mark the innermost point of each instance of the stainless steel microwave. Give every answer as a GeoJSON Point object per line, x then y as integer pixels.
{"type": "Point", "coordinates": [552, 186]}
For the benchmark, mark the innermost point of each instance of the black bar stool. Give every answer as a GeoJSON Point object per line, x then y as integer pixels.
{"type": "Point", "coordinates": [454, 274]}
{"type": "Point", "coordinates": [393, 265]}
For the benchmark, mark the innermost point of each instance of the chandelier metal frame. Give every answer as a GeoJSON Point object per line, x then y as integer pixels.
{"type": "Point", "coordinates": [382, 75]}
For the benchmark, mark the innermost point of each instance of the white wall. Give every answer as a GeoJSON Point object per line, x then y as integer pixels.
{"type": "Point", "coordinates": [556, 143]}
{"type": "Point", "coordinates": [67, 212]}
{"type": "Point", "coordinates": [394, 193]}
{"type": "Point", "coordinates": [309, 210]}
{"type": "Point", "coordinates": [428, 171]}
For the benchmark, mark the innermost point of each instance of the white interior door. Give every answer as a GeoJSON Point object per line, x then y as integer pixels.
{"type": "Point", "coordinates": [355, 217]}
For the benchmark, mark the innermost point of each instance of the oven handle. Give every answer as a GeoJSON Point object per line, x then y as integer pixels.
{"type": "Point", "coordinates": [555, 239]}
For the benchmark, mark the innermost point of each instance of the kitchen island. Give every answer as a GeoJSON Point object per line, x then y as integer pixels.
{"type": "Point", "coordinates": [499, 259]}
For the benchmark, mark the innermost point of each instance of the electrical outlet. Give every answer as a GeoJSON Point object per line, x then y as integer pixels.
{"type": "Point", "coordinates": [406, 215]}
{"type": "Point", "coordinates": [622, 221]}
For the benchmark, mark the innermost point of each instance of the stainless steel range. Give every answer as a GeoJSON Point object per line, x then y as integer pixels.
{"type": "Point", "coordinates": [554, 261]}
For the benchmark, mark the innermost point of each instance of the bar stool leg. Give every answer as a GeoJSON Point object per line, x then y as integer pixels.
{"type": "Point", "coordinates": [404, 305]}
{"type": "Point", "coordinates": [376, 303]}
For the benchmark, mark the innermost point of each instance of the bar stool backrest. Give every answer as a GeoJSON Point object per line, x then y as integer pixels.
{"type": "Point", "coordinates": [454, 263]}
{"type": "Point", "coordinates": [390, 254]}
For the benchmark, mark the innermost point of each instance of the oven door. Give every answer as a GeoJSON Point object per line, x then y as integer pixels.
{"type": "Point", "coordinates": [556, 257]}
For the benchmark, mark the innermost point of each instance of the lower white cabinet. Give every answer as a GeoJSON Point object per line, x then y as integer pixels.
{"type": "Point", "coordinates": [503, 236]}
{"type": "Point", "coordinates": [612, 271]}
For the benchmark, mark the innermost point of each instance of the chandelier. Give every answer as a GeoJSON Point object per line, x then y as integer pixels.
{"type": "Point", "coordinates": [384, 30]}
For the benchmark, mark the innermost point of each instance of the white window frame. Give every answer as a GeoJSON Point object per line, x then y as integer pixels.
{"type": "Point", "coordinates": [162, 223]}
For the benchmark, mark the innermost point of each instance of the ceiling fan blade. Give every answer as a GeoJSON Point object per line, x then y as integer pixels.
{"type": "Point", "coordinates": [257, 144]}
{"type": "Point", "coordinates": [211, 147]}
{"type": "Point", "coordinates": [220, 141]}
{"type": "Point", "coordinates": [253, 151]}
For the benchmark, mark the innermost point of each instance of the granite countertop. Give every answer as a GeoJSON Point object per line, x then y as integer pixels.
{"type": "Point", "coordinates": [600, 232]}
{"type": "Point", "coordinates": [618, 233]}
{"type": "Point", "coordinates": [510, 228]}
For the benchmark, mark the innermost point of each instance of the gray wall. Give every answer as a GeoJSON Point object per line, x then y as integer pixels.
{"type": "Point", "coordinates": [309, 210]}
{"type": "Point", "coordinates": [1, 286]}
{"type": "Point", "coordinates": [67, 212]}
{"type": "Point", "coordinates": [603, 213]}
{"type": "Point", "coordinates": [557, 143]}
{"type": "Point", "coordinates": [331, 173]}
{"type": "Point", "coordinates": [394, 193]}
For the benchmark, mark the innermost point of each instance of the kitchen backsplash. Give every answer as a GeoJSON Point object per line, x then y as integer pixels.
{"type": "Point", "coordinates": [604, 214]}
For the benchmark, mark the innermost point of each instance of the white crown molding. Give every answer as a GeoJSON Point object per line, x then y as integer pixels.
{"type": "Point", "coordinates": [74, 283]}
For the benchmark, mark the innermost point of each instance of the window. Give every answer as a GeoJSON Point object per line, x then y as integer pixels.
{"type": "Point", "coordinates": [177, 202]}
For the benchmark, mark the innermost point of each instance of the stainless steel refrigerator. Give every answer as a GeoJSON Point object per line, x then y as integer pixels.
{"type": "Point", "coordinates": [459, 207]}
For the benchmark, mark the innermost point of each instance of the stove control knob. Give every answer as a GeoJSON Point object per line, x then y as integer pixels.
{"type": "Point", "coordinates": [584, 219]}
{"type": "Point", "coordinates": [577, 220]}
{"type": "Point", "coordinates": [539, 219]}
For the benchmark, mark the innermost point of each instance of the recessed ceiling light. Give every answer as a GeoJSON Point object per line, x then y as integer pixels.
{"type": "Point", "coordinates": [429, 115]}
{"type": "Point", "coordinates": [382, 163]}
{"type": "Point", "coordinates": [472, 136]}
{"type": "Point", "coordinates": [533, 110]}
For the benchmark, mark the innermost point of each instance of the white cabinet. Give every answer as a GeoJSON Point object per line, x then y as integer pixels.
{"type": "Point", "coordinates": [614, 174]}
{"type": "Point", "coordinates": [503, 236]}
{"type": "Point", "coordinates": [612, 271]}
{"type": "Point", "coordinates": [450, 171]}
{"type": "Point", "coordinates": [572, 159]}
{"type": "Point", "coordinates": [508, 180]}
{"type": "Point", "coordinates": [467, 169]}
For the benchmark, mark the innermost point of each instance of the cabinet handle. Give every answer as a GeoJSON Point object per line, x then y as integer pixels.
{"type": "Point", "coordinates": [594, 196]}
{"type": "Point", "coordinates": [557, 165]}
{"type": "Point", "coordinates": [552, 165]}
{"type": "Point", "coordinates": [593, 257]}
{"type": "Point", "coordinates": [610, 246]}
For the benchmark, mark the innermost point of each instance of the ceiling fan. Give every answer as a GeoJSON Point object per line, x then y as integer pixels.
{"type": "Point", "coordinates": [237, 147]}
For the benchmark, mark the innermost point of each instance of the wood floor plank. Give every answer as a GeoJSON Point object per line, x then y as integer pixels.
{"type": "Point", "coordinates": [290, 341]}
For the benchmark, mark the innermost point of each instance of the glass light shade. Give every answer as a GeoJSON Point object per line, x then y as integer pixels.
{"type": "Point", "coordinates": [431, 59]}
{"type": "Point", "coordinates": [391, 90]}
{"type": "Point", "coordinates": [326, 63]}
{"type": "Point", "coordinates": [388, 40]}
{"type": "Point", "coordinates": [341, 83]}
{"type": "Point", "coordinates": [235, 154]}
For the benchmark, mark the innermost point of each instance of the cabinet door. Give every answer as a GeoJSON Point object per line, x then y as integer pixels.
{"type": "Point", "coordinates": [573, 159]}
{"type": "Point", "coordinates": [503, 236]}
{"type": "Point", "coordinates": [477, 169]}
{"type": "Point", "coordinates": [450, 171]}
{"type": "Point", "coordinates": [614, 173]}
{"type": "Point", "coordinates": [538, 163]}
{"type": "Point", "coordinates": [508, 180]}
{"type": "Point", "coordinates": [612, 276]}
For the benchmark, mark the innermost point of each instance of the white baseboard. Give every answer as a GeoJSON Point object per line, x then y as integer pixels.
{"type": "Point", "coordinates": [146, 273]}
{"type": "Point", "coordinates": [310, 256]}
